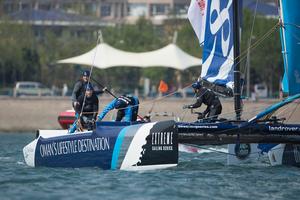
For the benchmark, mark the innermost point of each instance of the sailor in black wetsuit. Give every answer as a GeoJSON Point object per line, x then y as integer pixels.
{"type": "Point", "coordinates": [90, 103]}
{"type": "Point", "coordinates": [79, 88]}
{"type": "Point", "coordinates": [209, 98]}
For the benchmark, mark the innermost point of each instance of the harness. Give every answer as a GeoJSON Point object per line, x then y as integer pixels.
{"type": "Point", "coordinates": [125, 99]}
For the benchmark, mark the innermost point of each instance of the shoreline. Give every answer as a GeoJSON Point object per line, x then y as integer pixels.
{"type": "Point", "coordinates": [32, 113]}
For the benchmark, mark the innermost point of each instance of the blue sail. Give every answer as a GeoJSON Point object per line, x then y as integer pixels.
{"type": "Point", "coordinates": [218, 48]}
{"type": "Point", "coordinates": [290, 39]}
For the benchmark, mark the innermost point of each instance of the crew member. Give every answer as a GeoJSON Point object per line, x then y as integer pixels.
{"type": "Point", "coordinates": [88, 104]}
{"type": "Point", "coordinates": [79, 88]}
{"type": "Point", "coordinates": [127, 106]}
{"type": "Point", "coordinates": [209, 98]}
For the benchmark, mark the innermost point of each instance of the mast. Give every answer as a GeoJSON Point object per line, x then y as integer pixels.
{"type": "Point", "coordinates": [237, 75]}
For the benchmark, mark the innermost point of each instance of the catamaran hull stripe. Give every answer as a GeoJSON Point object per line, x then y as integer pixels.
{"type": "Point", "coordinates": [117, 147]}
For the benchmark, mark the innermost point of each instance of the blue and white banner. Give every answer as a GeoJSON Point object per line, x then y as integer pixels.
{"type": "Point", "coordinates": [214, 28]}
{"type": "Point", "coordinates": [218, 43]}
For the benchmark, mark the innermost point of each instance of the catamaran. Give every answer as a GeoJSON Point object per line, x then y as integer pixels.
{"type": "Point", "coordinates": [154, 145]}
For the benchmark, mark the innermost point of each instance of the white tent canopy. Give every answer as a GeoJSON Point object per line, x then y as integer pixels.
{"type": "Point", "coordinates": [107, 56]}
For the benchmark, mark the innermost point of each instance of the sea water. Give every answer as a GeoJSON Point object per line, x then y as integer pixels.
{"type": "Point", "coordinates": [198, 176]}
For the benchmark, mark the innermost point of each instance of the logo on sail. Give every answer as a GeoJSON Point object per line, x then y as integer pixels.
{"type": "Point", "coordinates": [218, 44]}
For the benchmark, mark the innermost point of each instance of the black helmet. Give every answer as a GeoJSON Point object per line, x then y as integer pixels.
{"type": "Point", "coordinates": [86, 73]}
{"type": "Point", "coordinates": [89, 87]}
{"type": "Point", "coordinates": [196, 85]}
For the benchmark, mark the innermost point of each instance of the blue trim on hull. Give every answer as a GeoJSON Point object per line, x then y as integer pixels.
{"type": "Point", "coordinates": [116, 152]}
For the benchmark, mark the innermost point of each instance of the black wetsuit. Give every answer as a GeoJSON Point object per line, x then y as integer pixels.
{"type": "Point", "coordinates": [79, 89]}
{"type": "Point", "coordinates": [209, 98]}
{"type": "Point", "coordinates": [90, 109]}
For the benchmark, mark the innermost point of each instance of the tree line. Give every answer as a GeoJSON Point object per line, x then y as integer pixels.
{"type": "Point", "coordinates": [27, 56]}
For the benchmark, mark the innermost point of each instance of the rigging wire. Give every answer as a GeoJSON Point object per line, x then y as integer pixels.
{"type": "Point", "coordinates": [284, 111]}
{"type": "Point", "coordinates": [261, 108]}
{"type": "Point", "coordinates": [260, 40]}
{"type": "Point", "coordinates": [252, 46]}
{"type": "Point", "coordinates": [184, 112]}
{"type": "Point", "coordinates": [242, 56]}
{"type": "Point", "coordinates": [292, 113]}
{"type": "Point", "coordinates": [247, 65]}
{"type": "Point", "coordinates": [99, 39]}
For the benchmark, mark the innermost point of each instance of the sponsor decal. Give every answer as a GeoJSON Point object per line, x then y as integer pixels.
{"type": "Point", "coordinates": [200, 126]}
{"type": "Point", "coordinates": [201, 4]}
{"type": "Point", "coordinates": [162, 141]}
{"type": "Point", "coordinates": [56, 148]}
{"type": "Point", "coordinates": [283, 128]}
{"type": "Point", "coordinates": [161, 145]}
{"type": "Point", "coordinates": [242, 151]}
{"type": "Point", "coordinates": [78, 150]}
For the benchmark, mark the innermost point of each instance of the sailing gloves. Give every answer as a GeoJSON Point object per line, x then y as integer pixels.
{"type": "Point", "coordinates": [201, 115]}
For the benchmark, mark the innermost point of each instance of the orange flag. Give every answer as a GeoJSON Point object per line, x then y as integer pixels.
{"type": "Point", "coordinates": [163, 87]}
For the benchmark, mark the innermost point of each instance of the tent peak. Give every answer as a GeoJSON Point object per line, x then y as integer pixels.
{"type": "Point", "coordinates": [107, 56]}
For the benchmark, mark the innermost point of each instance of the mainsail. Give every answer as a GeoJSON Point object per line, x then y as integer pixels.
{"type": "Point", "coordinates": [290, 40]}
{"type": "Point", "coordinates": [215, 21]}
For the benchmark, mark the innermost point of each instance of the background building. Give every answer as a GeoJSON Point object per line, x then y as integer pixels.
{"type": "Point", "coordinates": [106, 12]}
{"type": "Point", "coordinates": [109, 11]}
